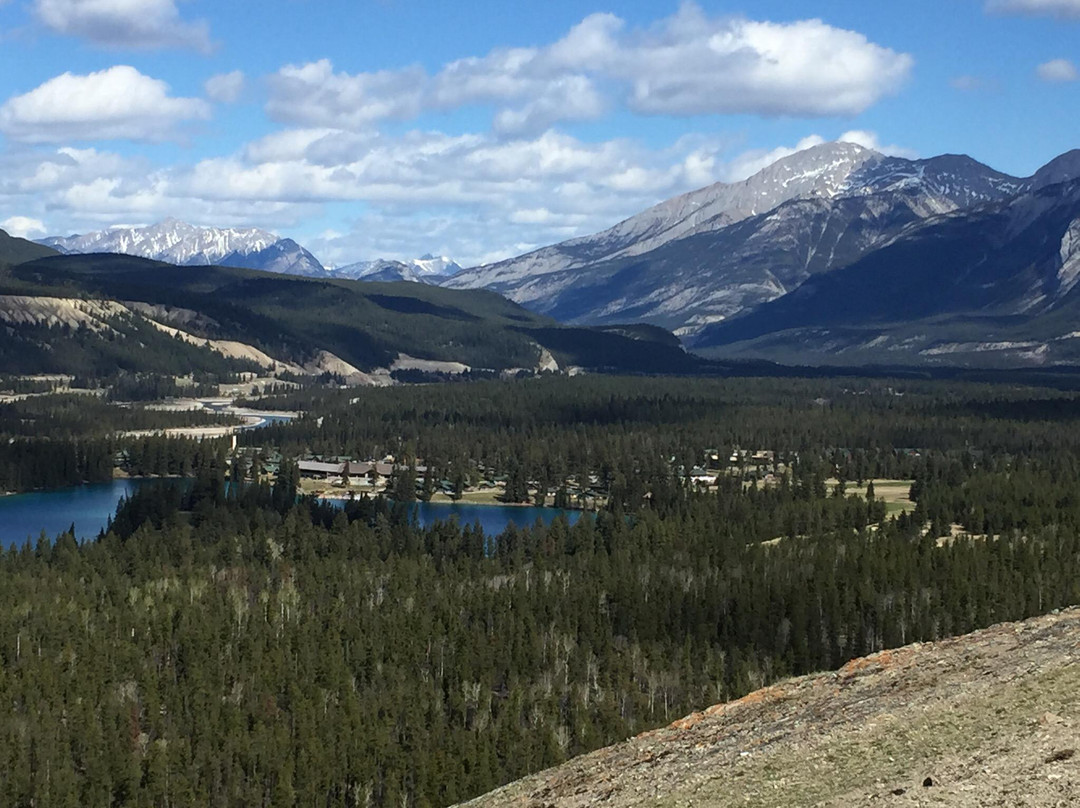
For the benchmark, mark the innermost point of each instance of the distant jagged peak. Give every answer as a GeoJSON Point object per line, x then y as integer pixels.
{"type": "Point", "coordinates": [822, 169]}
{"type": "Point", "coordinates": [170, 239]}
{"type": "Point", "coordinates": [429, 264]}
{"type": "Point", "coordinates": [428, 268]}
{"type": "Point", "coordinates": [185, 244]}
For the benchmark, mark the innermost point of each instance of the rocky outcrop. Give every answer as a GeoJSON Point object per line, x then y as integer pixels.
{"type": "Point", "coordinates": [986, 719]}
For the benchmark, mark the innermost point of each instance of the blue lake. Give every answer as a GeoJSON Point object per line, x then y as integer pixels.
{"type": "Point", "coordinates": [89, 507]}
{"type": "Point", "coordinates": [494, 519]}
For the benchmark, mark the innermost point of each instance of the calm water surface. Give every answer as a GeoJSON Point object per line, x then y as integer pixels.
{"type": "Point", "coordinates": [89, 507]}
{"type": "Point", "coordinates": [494, 519]}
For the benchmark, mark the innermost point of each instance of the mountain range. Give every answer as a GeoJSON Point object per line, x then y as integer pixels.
{"type": "Point", "coordinates": [995, 284]}
{"type": "Point", "coordinates": [837, 254]}
{"type": "Point", "coordinates": [753, 269]}
{"type": "Point", "coordinates": [715, 252]}
{"type": "Point", "coordinates": [426, 269]}
{"type": "Point", "coordinates": [182, 244]}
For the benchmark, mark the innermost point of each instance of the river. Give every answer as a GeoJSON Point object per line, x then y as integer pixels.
{"type": "Point", "coordinates": [89, 507]}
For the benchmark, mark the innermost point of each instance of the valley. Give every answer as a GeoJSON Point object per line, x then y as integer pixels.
{"type": "Point", "coordinates": [559, 405]}
{"type": "Point", "coordinates": [743, 532]}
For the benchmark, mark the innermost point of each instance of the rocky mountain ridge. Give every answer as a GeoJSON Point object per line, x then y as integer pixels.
{"type": "Point", "coordinates": [995, 285]}
{"type": "Point", "coordinates": [985, 719]}
{"type": "Point", "coordinates": [426, 269]}
{"type": "Point", "coordinates": [708, 255]}
{"type": "Point", "coordinates": [183, 244]}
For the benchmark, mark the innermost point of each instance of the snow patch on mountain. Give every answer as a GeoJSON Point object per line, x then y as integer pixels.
{"type": "Point", "coordinates": [426, 269]}
{"type": "Point", "coordinates": [183, 244]}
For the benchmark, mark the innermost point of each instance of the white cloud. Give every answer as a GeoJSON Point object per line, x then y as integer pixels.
{"type": "Point", "coordinates": [119, 102]}
{"type": "Point", "coordinates": [314, 95]}
{"type": "Point", "coordinates": [23, 227]}
{"type": "Point", "coordinates": [870, 140]}
{"type": "Point", "coordinates": [225, 88]}
{"type": "Point", "coordinates": [1042, 8]}
{"type": "Point", "coordinates": [1057, 70]}
{"type": "Point", "coordinates": [136, 24]}
{"type": "Point", "coordinates": [476, 197]}
{"type": "Point", "coordinates": [688, 64]}
{"type": "Point", "coordinates": [691, 64]}
{"type": "Point", "coordinates": [567, 98]}
{"type": "Point", "coordinates": [59, 170]}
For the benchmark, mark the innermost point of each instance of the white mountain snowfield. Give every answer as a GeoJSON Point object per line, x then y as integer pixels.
{"type": "Point", "coordinates": [177, 242]}
{"type": "Point", "coordinates": [172, 241]}
{"type": "Point", "coordinates": [183, 244]}
{"type": "Point", "coordinates": [685, 290]}
{"type": "Point", "coordinates": [426, 269]}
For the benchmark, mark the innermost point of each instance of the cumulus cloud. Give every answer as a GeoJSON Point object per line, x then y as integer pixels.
{"type": "Point", "coordinates": [567, 98]}
{"type": "Point", "coordinates": [473, 196]}
{"type": "Point", "coordinates": [688, 64]}
{"type": "Point", "coordinates": [314, 95]}
{"type": "Point", "coordinates": [119, 102]}
{"type": "Point", "coordinates": [225, 88]}
{"type": "Point", "coordinates": [692, 65]}
{"type": "Point", "coordinates": [1057, 70]}
{"type": "Point", "coordinates": [75, 190]}
{"type": "Point", "coordinates": [477, 197]}
{"type": "Point", "coordinates": [23, 227]}
{"type": "Point", "coordinates": [135, 24]}
{"type": "Point", "coordinates": [1041, 8]}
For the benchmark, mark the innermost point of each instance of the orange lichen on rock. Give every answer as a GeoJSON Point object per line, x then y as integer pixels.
{"type": "Point", "coordinates": [878, 662]}
{"type": "Point", "coordinates": [689, 721]}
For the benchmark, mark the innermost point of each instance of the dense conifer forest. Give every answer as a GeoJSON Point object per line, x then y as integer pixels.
{"type": "Point", "coordinates": [230, 645]}
{"type": "Point", "coordinates": [67, 439]}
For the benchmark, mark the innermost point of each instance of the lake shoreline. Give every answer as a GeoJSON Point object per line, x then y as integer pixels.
{"type": "Point", "coordinates": [463, 503]}
{"type": "Point", "coordinates": [27, 516]}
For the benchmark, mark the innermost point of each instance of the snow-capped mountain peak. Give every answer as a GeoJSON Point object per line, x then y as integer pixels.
{"type": "Point", "coordinates": [426, 269]}
{"type": "Point", "coordinates": [184, 244]}
{"type": "Point", "coordinates": [439, 265]}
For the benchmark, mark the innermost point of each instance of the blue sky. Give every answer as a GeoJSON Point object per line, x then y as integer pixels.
{"type": "Point", "coordinates": [481, 130]}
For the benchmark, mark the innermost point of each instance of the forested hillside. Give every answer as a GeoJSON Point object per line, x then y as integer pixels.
{"type": "Point", "coordinates": [17, 250]}
{"type": "Point", "coordinates": [294, 319]}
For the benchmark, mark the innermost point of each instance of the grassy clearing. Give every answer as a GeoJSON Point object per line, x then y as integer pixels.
{"type": "Point", "coordinates": [489, 496]}
{"type": "Point", "coordinates": [894, 492]}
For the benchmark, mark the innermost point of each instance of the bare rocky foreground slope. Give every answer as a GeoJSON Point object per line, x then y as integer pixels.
{"type": "Point", "coordinates": [988, 719]}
